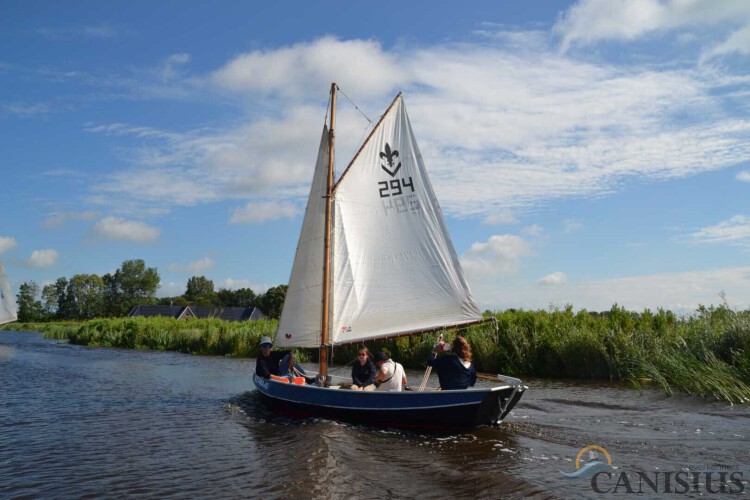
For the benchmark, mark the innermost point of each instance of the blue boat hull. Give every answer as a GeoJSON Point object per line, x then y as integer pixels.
{"type": "Point", "coordinates": [429, 409]}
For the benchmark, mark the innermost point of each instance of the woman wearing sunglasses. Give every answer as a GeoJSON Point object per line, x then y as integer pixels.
{"type": "Point", "coordinates": [363, 371]}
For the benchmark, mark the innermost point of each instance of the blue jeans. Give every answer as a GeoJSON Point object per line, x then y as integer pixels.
{"type": "Point", "coordinates": [284, 366]}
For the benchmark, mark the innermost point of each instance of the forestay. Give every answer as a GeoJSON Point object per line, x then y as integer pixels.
{"type": "Point", "coordinates": [8, 309]}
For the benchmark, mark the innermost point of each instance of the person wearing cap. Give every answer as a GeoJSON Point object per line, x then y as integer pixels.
{"type": "Point", "coordinates": [455, 371]}
{"type": "Point", "coordinates": [391, 375]}
{"type": "Point", "coordinates": [274, 364]}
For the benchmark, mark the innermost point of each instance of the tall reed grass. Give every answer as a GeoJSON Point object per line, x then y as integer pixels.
{"type": "Point", "coordinates": [192, 336]}
{"type": "Point", "coordinates": [706, 353]}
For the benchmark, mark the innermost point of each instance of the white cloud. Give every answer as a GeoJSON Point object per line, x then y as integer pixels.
{"type": "Point", "coordinates": [359, 66]}
{"type": "Point", "coordinates": [594, 20]}
{"type": "Point", "coordinates": [736, 229]}
{"type": "Point", "coordinates": [197, 267]}
{"type": "Point", "coordinates": [591, 21]}
{"type": "Point", "coordinates": [554, 279]}
{"type": "Point", "coordinates": [116, 228]}
{"type": "Point", "coordinates": [560, 128]}
{"type": "Point", "coordinates": [679, 292]}
{"type": "Point", "coordinates": [743, 176]}
{"type": "Point", "coordinates": [43, 258]}
{"type": "Point", "coordinates": [256, 212]}
{"type": "Point", "coordinates": [61, 217]}
{"type": "Point", "coordinates": [205, 166]}
{"type": "Point", "coordinates": [572, 225]}
{"type": "Point", "coordinates": [173, 66]}
{"type": "Point", "coordinates": [7, 243]}
{"type": "Point", "coordinates": [738, 42]}
{"type": "Point", "coordinates": [27, 110]}
{"type": "Point", "coordinates": [500, 256]}
{"type": "Point", "coordinates": [236, 284]}
{"type": "Point", "coordinates": [534, 230]}
{"type": "Point", "coordinates": [171, 289]}
{"type": "Point", "coordinates": [500, 218]}
{"type": "Point", "coordinates": [100, 31]}
{"type": "Point", "coordinates": [502, 127]}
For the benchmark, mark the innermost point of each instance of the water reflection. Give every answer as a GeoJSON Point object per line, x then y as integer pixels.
{"type": "Point", "coordinates": [325, 459]}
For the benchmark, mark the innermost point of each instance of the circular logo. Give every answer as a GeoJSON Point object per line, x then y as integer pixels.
{"type": "Point", "coordinates": [592, 448]}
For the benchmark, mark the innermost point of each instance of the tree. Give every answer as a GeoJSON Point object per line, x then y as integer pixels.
{"type": "Point", "coordinates": [243, 297]}
{"type": "Point", "coordinates": [172, 301]}
{"type": "Point", "coordinates": [131, 285]}
{"type": "Point", "coordinates": [29, 307]}
{"type": "Point", "coordinates": [49, 300]}
{"type": "Point", "coordinates": [272, 302]}
{"type": "Point", "coordinates": [112, 296]}
{"type": "Point", "coordinates": [65, 307]}
{"type": "Point", "coordinates": [200, 291]}
{"type": "Point", "coordinates": [86, 293]}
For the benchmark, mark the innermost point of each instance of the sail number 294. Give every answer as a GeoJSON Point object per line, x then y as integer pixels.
{"type": "Point", "coordinates": [395, 187]}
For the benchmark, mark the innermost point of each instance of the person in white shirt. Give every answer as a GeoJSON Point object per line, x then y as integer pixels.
{"type": "Point", "coordinates": [391, 376]}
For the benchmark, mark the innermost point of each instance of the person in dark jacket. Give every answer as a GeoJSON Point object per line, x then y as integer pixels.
{"type": "Point", "coordinates": [273, 364]}
{"type": "Point", "coordinates": [363, 371]}
{"type": "Point", "coordinates": [455, 371]}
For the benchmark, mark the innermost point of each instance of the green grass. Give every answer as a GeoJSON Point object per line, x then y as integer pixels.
{"type": "Point", "coordinates": [192, 336]}
{"type": "Point", "coordinates": [705, 354]}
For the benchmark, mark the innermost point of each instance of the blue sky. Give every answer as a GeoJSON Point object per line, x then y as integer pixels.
{"type": "Point", "coordinates": [585, 153]}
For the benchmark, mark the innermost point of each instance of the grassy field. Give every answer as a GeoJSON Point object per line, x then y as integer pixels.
{"type": "Point", "coordinates": [706, 353]}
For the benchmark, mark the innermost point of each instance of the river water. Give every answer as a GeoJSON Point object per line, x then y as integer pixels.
{"type": "Point", "coordinates": [85, 422]}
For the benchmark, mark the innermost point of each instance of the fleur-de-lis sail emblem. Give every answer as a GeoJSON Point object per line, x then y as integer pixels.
{"type": "Point", "coordinates": [390, 158]}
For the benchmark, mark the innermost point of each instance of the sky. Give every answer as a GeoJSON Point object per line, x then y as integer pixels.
{"type": "Point", "coordinates": [588, 153]}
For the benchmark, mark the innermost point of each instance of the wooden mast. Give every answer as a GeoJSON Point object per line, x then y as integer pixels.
{"type": "Point", "coordinates": [323, 367]}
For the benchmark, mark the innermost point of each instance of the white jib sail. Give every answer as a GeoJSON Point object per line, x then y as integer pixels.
{"type": "Point", "coordinates": [394, 267]}
{"type": "Point", "coordinates": [8, 309]}
{"type": "Point", "coordinates": [300, 322]}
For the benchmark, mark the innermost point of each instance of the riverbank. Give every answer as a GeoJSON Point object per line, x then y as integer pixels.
{"type": "Point", "coordinates": [705, 354]}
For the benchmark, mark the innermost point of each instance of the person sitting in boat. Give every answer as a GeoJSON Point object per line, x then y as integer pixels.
{"type": "Point", "coordinates": [363, 371]}
{"type": "Point", "coordinates": [272, 364]}
{"type": "Point", "coordinates": [391, 376]}
{"type": "Point", "coordinates": [455, 371]}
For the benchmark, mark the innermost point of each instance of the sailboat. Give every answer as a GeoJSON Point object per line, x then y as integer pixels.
{"type": "Point", "coordinates": [8, 309]}
{"type": "Point", "coordinates": [375, 261]}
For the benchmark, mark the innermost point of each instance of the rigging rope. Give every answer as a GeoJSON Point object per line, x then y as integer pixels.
{"type": "Point", "coordinates": [352, 103]}
{"type": "Point", "coordinates": [425, 378]}
{"type": "Point", "coordinates": [428, 371]}
{"type": "Point", "coordinates": [369, 122]}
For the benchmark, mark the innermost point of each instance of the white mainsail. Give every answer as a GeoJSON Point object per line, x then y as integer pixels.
{"type": "Point", "coordinates": [394, 269]}
{"type": "Point", "coordinates": [300, 321]}
{"type": "Point", "coordinates": [8, 309]}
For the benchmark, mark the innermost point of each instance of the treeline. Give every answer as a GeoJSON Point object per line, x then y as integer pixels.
{"type": "Point", "coordinates": [113, 295]}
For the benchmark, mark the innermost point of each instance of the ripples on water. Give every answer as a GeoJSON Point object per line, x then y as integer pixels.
{"type": "Point", "coordinates": [81, 422]}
